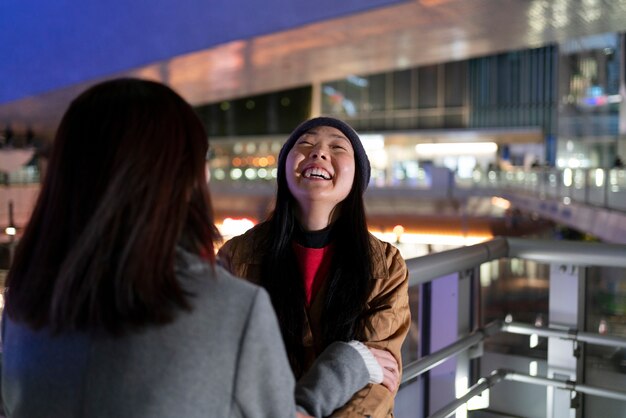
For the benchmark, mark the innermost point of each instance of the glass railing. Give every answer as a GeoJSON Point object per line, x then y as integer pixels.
{"type": "Point", "coordinates": [462, 365]}
{"type": "Point", "coordinates": [25, 175]}
{"type": "Point", "coordinates": [584, 353]}
{"type": "Point", "coordinates": [591, 186]}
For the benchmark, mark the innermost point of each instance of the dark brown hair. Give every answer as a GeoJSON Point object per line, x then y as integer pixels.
{"type": "Point", "coordinates": [126, 184]}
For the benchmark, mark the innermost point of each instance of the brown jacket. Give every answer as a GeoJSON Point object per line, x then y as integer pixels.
{"type": "Point", "coordinates": [242, 256]}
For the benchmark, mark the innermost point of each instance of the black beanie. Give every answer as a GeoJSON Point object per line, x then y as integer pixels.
{"type": "Point", "coordinates": [360, 157]}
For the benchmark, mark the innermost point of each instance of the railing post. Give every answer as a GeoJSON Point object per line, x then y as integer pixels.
{"type": "Point", "coordinates": [464, 327]}
{"type": "Point", "coordinates": [565, 292]}
{"type": "Point", "coordinates": [450, 319]}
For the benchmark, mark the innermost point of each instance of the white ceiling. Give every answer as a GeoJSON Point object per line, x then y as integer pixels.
{"type": "Point", "coordinates": [406, 35]}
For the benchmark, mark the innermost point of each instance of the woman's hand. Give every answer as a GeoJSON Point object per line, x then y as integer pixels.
{"type": "Point", "coordinates": [391, 374]}
{"type": "Point", "coordinates": [301, 415]}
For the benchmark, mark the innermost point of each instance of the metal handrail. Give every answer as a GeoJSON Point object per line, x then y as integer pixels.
{"type": "Point", "coordinates": [569, 334]}
{"type": "Point", "coordinates": [565, 384]}
{"type": "Point", "coordinates": [568, 252]}
{"type": "Point", "coordinates": [480, 386]}
{"type": "Point", "coordinates": [432, 266]}
{"type": "Point", "coordinates": [502, 374]}
{"type": "Point", "coordinates": [418, 367]}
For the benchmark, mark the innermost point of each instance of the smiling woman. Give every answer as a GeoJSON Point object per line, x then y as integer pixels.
{"type": "Point", "coordinates": [328, 278]}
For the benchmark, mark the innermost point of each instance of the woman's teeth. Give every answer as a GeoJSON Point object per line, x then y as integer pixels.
{"type": "Point", "coordinates": [316, 173]}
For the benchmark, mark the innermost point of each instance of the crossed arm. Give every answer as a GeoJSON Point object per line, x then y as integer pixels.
{"type": "Point", "coordinates": [265, 386]}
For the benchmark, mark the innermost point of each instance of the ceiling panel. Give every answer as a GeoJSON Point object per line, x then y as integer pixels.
{"type": "Point", "coordinates": [405, 35]}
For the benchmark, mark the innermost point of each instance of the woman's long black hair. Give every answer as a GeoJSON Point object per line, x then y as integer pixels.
{"type": "Point", "coordinates": [349, 282]}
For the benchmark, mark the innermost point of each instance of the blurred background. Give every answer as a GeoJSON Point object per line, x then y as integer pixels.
{"type": "Point", "coordinates": [481, 118]}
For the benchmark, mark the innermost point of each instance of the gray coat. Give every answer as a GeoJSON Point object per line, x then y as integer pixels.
{"type": "Point", "coordinates": [223, 359]}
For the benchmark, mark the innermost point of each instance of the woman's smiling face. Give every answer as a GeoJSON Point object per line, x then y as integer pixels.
{"type": "Point", "coordinates": [320, 166]}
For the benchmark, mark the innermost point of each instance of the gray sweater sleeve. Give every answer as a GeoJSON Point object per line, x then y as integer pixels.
{"type": "Point", "coordinates": [264, 384]}
{"type": "Point", "coordinates": [337, 374]}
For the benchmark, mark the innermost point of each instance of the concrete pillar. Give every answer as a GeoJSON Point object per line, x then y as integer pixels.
{"type": "Point", "coordinates": [316, 99]}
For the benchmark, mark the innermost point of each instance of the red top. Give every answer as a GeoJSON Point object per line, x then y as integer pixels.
{"type": "Point", "coordinates": [314, 266]}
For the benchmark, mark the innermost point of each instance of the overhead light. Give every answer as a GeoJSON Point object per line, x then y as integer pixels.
{"type": "Point", "coordinates": [231, 227]}
{"type": "Point", "coordinates": [500, 202]}
{"type": "Point", "coordinates": [372, 142]}
{"type": "Point", "coordinates": [433, 239]}
{"type": "Point", "coordinates": [456, 148]}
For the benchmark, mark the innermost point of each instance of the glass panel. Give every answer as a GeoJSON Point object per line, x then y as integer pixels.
{"type": "Point", "coordinates": [427, 122]}
{"type": "Point", "coordinates": [263, 114]}
{"type": "Point", "coordinates": [355, 88]}
{"type": "Point", "coordinates": [427, 82]}
{"type": "Point", "coordinates": [331, 98]}
{"type": "Point", "coordinates": [402, 89]}
{"type": "Point", "coordinates": [376, 92]}
{"type": "Point", "coordinates": [589, 101]}
{"type": "Point", "coordinates": [358, 124]}
{"type": "Point", "coordinates": [455, 83]}
{"type": "Point", "coordinates": [605, 314]}
{"type": "Point", "coordinates": [616, 194]}
{"type": "Point", "coordinates": [403, 122]}
{"type": "Point", "coordinates": [378, 123]}
{"type": "Point", "coordinates": [344, 97]}
{"type": "Point", "coordinates": [291, 107]}
{"type": "Point", "coordinates": [606, 301]}
{"type": "Point", "coordinates": [516, 290]}
{"type": "Point", "coordinates": [251, 115]}
{"type": "Point", "coordinates": [453, 121]}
